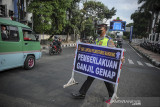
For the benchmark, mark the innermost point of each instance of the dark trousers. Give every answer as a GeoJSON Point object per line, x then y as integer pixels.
{"type": "Point", "coordinates": [88, 82]}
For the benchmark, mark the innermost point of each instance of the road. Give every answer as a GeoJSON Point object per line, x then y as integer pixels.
{"type": "Point", "coordinates": [43, 85]}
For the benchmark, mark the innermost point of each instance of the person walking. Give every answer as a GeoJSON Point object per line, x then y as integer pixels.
{"type": "Point", "coordinates": [103, 41]}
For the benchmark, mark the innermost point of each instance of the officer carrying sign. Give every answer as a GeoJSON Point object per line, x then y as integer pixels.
{"type": "Point", "coordinates": [102, 62]}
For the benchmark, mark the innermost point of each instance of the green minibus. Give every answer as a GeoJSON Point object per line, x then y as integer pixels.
{"type": "Point", "coordinates": [19, 45]}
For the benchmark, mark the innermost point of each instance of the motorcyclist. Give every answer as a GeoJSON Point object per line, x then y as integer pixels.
{"type": "Point", "coordinates": [119, 42]}
{"type": "Point", "coordinates": [57, 42]}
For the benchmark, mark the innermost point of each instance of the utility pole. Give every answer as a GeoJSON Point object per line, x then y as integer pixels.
{"type": "Point", "coordinates": [18, 5]}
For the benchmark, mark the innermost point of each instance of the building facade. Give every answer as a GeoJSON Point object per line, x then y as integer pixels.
{"type": "Point", "coordinates": [16, 10]}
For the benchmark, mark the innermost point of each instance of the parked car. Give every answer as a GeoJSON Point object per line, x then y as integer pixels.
{"type": "Point", "coordinates": [19, 45]}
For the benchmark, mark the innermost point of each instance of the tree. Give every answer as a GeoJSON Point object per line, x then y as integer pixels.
{"type": "Point", "coordinates": [49, 15]}
{"type": "Point", "coordinates": [141, 21]}
{"type": "Point", "coordinates": [94, 11]}
{"type": "Point", "coordinates": [98, 10]}
{"type": "Point", "coordinates": [129, 25]}
{"type": "Point", "coordinates": [127, 34]}
{"type": "Point", "coordinates": [152, 6]}
{"type": "Point", "coordinates": [89, 27]}
{"type": "Point", "coordinates": [42, 12]}
{"type": "Point", "coordinates": [57, 16]}
{"type": "Point", "coordinates": [73, 18]}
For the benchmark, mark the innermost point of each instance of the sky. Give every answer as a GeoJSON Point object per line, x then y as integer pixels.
{"type": "Point", "coordinates": [124, 8]}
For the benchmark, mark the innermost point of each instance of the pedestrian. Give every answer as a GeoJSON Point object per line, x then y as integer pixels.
{"type": "Point", "coordinates": [104, 41]}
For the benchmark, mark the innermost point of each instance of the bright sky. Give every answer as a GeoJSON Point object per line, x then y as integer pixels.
{"type": "Point", "coordinates": [124, 8]}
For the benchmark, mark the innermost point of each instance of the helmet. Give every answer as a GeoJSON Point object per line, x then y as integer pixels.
{"type": "Point", "coordinates": [102, 25]}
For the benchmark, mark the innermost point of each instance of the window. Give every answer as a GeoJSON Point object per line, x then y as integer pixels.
{"type": "Point", "coordinates": [29, 35]}
{"type": "Point", "coordinates": [13, 33]}
{"type": "Point", "coordinates": [9, 33]}
{"type": "Point", "coordinates": [4, 32]}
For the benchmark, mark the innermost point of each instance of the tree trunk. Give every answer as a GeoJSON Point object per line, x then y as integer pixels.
{"type": "Point", "coordinates": [151, 24]}
{"type": "Point", "coordinates": [156, 19]}
{"type": "Point", "coordinates": [67, 37]}
{"type": "Point", "coordinates": [74, 34]}
{"type": "Point", "coordinates": [50, 37]}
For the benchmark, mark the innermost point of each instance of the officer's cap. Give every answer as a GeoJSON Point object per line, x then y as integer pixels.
{"type": "Point", "coordinates": [102, 25]}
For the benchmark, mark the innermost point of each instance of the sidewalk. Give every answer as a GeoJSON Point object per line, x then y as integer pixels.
{"type": "Point", "coordinates": [153, 57]}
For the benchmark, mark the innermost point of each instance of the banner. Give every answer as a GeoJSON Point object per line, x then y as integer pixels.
{"type": "Point", "coordinates": [99, 62]}
{"type": "Point", "coordinates": [131, 33]}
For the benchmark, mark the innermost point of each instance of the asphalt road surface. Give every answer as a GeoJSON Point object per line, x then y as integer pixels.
{"type": "Point", "coordinates": [43, 85]}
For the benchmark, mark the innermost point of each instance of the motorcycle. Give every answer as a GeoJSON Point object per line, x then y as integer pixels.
{"type": "Point", "coordinates": [119, 44]}
{"type": "Point", "coordinates": [55, 48]}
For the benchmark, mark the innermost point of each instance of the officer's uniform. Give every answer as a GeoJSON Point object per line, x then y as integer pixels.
{"type": "Point", "coordinates": [104, 42]}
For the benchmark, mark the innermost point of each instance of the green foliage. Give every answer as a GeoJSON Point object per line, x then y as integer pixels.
{"type": "Point", "coordinates": [57, 16]}
{"type": "Point", "coordinates": [112, 36]}
{"type": "Point", "coordinates": [126, 34]}
{"type": "Point", "coordinates": [118, 18]}
{"type": "Point", "coordinates": [50, 39]}
{"type": "Point", "coordinates": [49, 15]}
{"type": "Point", "coordinates": [42, 12]}
{"type": "Point", "coordinates": [91, 13]}
{"type": "Point", "coordinates": [98, 10]}
{"type": "Point", "coordinates": [73, 18]}
{"type": "Point", "coordinates": [125, 37]}
{"type": "Point", "coordinates": [129, 25]}
{"type": "Point", "coordinates": [89, 27]}
{"type": "Point", "coordinates": [151, 6]}
{"type": "Point", "coordinates": [141, 22]}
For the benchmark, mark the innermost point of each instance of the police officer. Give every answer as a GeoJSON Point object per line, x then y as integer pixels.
{"type": "Point", "coordinates": [104, 41]}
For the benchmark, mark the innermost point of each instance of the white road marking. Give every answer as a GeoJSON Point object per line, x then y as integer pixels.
{"type": "Point", "coordinates": [148, 64]}
{"type": "Point", "coordinates": [139, 63]}
{"type": "Point", "coordinates": [157, 67]}
{"type": "Point", "coordinates": [136, 52]}
{"type": "Point", "coordinates": [130, 61]}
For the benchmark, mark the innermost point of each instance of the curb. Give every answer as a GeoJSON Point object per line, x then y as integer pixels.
{"type": "Point", "coordinates": [154, 62]}
{"type": "Point", "coordinates": [63, 46]}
